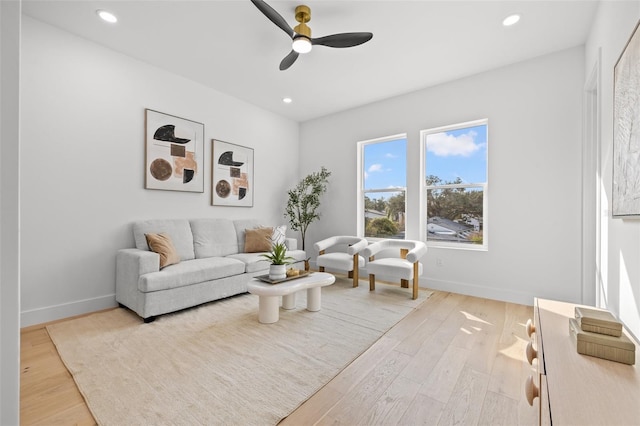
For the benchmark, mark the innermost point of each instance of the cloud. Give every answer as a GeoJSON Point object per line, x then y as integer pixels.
{"type": "Point", "coordinates": [444, 145]}
{"type": "Point", "coordinates": [366, 175]}
{"type": "Point", "coordinates": [390, 155]}
{"type": "Point", "coordinates": [375, 168]}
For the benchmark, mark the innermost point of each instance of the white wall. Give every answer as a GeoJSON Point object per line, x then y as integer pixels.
{"type": "Point", "coordinates": [82, 165]}
{"type": "Point", "coordinates": [534, 111]}
{"type": "Point", "coordinates": [9, 213]}
{"type": "Point", "coordinates": [619, 272]}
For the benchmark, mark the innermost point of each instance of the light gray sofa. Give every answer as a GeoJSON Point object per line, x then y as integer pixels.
{"type": "Point", "coordinates": [212, 265]}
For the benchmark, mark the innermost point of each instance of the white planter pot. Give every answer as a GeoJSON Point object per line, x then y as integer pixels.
{"type": "Point", "coordinates": [277, 272]}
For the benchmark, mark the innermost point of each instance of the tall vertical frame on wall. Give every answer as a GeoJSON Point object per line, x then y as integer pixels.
{"type": "Point", "coordinates": [231, 174]}
{"type": "Point", "coordinates": [626, 130]}
{"type": "Point", "coordinates": [174, 158]}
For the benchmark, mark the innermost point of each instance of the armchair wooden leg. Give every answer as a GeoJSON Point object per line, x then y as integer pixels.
{"type": "Point", "coordinates": [404, 283]}
{"type": "Point", "coordinates": [355, 274]}
{"type": "Point", "coordinates": [306, 265]}
{"type": "Point", "coordinates": [416, 279]}
{"type": "Point", "coordinates": [372, 282]}
{"type": "Point", "coordinates": [321, 268]}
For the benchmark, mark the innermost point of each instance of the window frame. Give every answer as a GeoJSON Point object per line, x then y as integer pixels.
{"type": "Point", "coordinates": [425, 188]}
{"type": "Point", "coordinates": [360, 222]}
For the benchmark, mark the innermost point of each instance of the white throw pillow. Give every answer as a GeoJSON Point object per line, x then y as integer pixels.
{"type": "Point", "coordinates": [279, 234]}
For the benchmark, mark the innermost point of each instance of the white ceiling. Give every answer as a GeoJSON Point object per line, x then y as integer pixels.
{"type": "Point", "coordinates": [232, 47]}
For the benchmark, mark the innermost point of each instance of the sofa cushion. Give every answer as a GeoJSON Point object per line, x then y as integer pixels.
{"type": "Point", "coordinates": [240, 226]}
{"type": "Point", "coordinates": [191, 272]}
{"type": "Point", "coordinates": [178, 230]}
{"type": "Point", "coordinates": [161, 244]}
{"type": "Point", "coordinates": [213, 237]}
{"type": "Point", "coordinates": [257, 240]}
{"type": "Point", "coordinates": [253, 261]}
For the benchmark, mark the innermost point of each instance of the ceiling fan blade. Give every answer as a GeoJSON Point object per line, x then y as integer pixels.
{"type": "Point", "coordinates": [273, 16]}
{"type": "Point", "coordinates": [343, 40]}
{"type": "Point", "coordinates": [288, 60]}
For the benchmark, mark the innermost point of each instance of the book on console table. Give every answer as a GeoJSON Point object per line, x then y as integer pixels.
{"type": "Point", "coordinates": [598, 321]}
{"type": "Point", "coordinates": [619, 349]}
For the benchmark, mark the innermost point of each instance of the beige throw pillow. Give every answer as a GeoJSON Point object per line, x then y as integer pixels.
{"type": "Point", "coordinates": [257, 240]}
{"type": "Point", "coordinates": [161, 244]}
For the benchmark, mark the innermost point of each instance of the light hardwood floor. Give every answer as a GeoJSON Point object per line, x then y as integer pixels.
{"type": "Point", "coordinates": [455, 360]}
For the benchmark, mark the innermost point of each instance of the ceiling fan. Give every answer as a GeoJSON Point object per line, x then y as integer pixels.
{"type": "Point", "coordinates": [301, 34]}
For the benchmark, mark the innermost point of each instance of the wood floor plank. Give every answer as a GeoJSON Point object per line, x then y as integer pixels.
{"type": "Point", "coordinates": [498, 410]}
{"type": "Point", "coordinates": [442, 380]}
{"type": "Point", "coordinates": [422, 411]}
{"type": "Point", "coordinates": [393, 403]}
{"type": "Point", "coordinates": [349, 410]}
{"type": "Point", "coordinates": [465, 403]}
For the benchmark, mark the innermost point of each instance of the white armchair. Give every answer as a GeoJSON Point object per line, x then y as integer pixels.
{"type": "Point", "coordinates": [405, 267]}
{"type": "Point", "coordinates": [350, 261]}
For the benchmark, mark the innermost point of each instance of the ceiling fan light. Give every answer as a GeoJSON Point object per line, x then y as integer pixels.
{"type": "Point", "coordinates": [301, 44]}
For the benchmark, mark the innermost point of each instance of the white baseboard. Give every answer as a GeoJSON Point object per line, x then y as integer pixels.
{"type": "Point", "coordinates": [503, 295]}
{"type": "Point", "coordinates": [480, 291]}
{"type": "Point", "coordinates": [66, 310]}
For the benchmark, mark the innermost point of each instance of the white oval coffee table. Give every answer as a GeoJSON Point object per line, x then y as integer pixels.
{"type": "Point", "coordinates": [269, 294]}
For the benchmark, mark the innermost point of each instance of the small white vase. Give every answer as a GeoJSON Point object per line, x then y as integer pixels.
{"type": "Point", "coordinates": [277, 272]}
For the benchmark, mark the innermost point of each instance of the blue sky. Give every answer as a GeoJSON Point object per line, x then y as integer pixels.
{"type": "Point", "coordinates": [456, 153]}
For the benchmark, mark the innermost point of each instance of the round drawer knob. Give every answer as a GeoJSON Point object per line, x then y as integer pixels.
{"type": "Point", "coordinates": [531, 390]}
{"type": "Point", "coordinates": [530, 328]}
{"type": "Point", "coordinates": [531, 353]}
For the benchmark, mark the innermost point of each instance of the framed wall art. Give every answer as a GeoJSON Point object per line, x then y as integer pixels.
{"type": "Point", "coordinates": [174, 157]}
{"type": "Point", "coordinates": [232, 174]}
{"type": "Point", "coordinates": [626, 130]}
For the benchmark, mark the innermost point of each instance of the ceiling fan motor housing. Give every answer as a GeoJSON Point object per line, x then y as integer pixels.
{"type": "Point", "coordinates": [303, 15]}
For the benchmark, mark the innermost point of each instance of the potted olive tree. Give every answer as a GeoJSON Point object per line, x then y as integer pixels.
{"type": "Point", "coordinates": [304, 201]}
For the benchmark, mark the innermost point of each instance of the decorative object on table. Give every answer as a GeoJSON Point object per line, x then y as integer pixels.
{"type": "Point", "coordinates": [174, 153]}
{"type": "Point", "coordinates": [265, 278]}
{"type": "Point", "coordinates": [618, 349]}
{"type": "Point", "coordinates": [626, 130]}
{"type": "Point", "coordinates": [304, 200]}
{"type": "Point", "coordinates": [279, 261]}
{"type": "Point", "coordinates": [232, 174]}
{"type": "Point", "coordinates": [598, 321]}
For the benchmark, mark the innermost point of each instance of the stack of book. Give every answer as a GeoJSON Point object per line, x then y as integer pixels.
{"type": "Point", "coordinates": [597, 333]}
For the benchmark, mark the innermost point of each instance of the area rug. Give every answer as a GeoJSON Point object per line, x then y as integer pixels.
{"type": "Point", "coordinates": [215, 364]}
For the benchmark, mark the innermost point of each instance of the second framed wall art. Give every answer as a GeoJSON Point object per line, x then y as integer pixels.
{"type": "Point", "coordinates": [231, 174]}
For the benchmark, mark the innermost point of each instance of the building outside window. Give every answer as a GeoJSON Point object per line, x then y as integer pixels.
{"type": "Point", "coordinates": [455, 185]}
{"type": "Point", "coordinates": [382, 181]}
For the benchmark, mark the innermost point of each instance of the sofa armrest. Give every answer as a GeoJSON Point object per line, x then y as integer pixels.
{"type": "Point", "coordinates": [291, 243]}
{"type": "Point", "coordinates": [130, 265]}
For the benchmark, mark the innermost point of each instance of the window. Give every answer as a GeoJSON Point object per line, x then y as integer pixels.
{"type": "Point", "coordinates": [382, 181]}
{"type": "Point", "coordinates": [455, 185]}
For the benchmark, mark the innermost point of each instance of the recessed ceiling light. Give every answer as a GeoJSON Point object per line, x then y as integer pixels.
{"type": "Point", "coordinates": [510, 20]}
{"type": "Point", "coordinates": [107, 16]}
{"type": "Point", "coordinates": [287, 100]}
